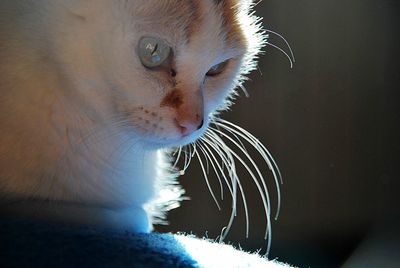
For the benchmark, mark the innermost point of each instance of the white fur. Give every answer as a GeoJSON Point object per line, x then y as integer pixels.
{"type": "Point", "coordinates": [80, 117]}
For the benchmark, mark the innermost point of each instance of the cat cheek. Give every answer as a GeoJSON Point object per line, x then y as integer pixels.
{"type": "Point", "coordinates": [153, 123]}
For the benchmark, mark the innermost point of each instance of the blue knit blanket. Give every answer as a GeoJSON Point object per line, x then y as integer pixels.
{"type": "Point", "coordinates": [36, 244]}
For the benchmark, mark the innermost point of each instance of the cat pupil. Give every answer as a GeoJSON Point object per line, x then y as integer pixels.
{"type": "Point", "coordinates": [173, 72]}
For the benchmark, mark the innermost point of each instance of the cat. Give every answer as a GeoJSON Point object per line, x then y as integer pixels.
{"type": "Point", "coordinates": [98, 97]}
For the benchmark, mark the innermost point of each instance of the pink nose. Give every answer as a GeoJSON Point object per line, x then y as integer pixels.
{"type": "Point", "coordinates": [189, 126]}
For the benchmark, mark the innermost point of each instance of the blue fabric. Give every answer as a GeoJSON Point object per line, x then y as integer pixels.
{"type": "Point", "coordinates": [35, 244]}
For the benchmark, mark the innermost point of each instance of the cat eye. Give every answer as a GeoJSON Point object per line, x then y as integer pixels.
{"type": "Point", "coordinates": [153, 51]}
{"type": "Point", "coordinates": [217, 68]}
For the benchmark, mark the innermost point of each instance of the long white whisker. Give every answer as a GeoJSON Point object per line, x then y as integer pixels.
{"type": "Point", "coordinates": [207, 181]}
{"type": "Point", "coordinates": [187, 161]}
{"type": "Point", "coordinates": [197, 144]}
{"type": "Point", "coordinates": [247, 135]}
{"type": "Point", "coordinates": [177, 157]}
{"type": "Point", "coordinates": [182, 171]}
{"type": "Point", "coordinates": [284, 52]}
{"type": "Point", "coordinates": [235, 179]}
{"type": "Point", "coordinates": [190, 150]}
{"type": "Point", "coordinates": [203, 147]}
{"type": "Point", "coordinates": [213, 144]}
{"type": "Point", "coordinates": [194, 149]}
{"type": "Point", "coordinates": [286, 42]}
{"type": "Point", "coordinates": [233, 214]}
{"type": "Point", "coordinates": [233, 133]}
{"type": "Point", "coordinates": [191, 154]}
{"type": "Point", "coordinates": [217, 144]}
{"type": "Point", "coordinates": [246, 93]}
{"type": "Point", "coordinates": [262, 150]}
{"type": "Point", "coordinates": [227, 159]}
{"type": "Point", "coordinates": [255, 143]}
{"type": "Point", "coordinates": [268, 229]}
{"type": "Point", "coordinates": [262, 190]}
{"type": "Point", "coordinates": [206, 144]}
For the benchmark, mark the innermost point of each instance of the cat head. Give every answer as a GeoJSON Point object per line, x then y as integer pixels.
{"type": "Point", "coordinates": [171, 65]}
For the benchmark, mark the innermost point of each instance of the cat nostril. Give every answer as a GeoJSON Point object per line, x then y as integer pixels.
{"type": "Point", "coordinates": [200, 125]}
{"type": "Point", "coordinates": [188, 127]}
{"type": "Point", "coordinates": [173, 72]}
{"type": "Point", "coordinates": [183, 130]}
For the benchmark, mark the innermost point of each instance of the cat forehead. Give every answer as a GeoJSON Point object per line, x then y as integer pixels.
{"type": "Point", "coordinates": [190, 18]}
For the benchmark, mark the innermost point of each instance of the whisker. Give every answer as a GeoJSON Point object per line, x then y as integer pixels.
{"type": "Point", "coordinates": [197, 144]}
{"type": "Point", "coordinates": [233, 133]}
{"type": "Point", "coordinates": [227, 160]}
{"type": "Point", "coordinates": [262, 190]}
{"type": "Point", "coordinates": [182, 170]}
{"type": "Point", "coordinates": [262, 150]}
{"type": "Point", "coordinates": [203, 147]}
{"type": "Point", "coordinates": [284, 52]}
{"type": "Point", "coordinates": [286, 42]}
{"type": "Point", "coordinates": [227, 228]}
{"type": "Point", "coordinates": [235, 180]}
{"type": "Point", "coordinates": [194, 149]}
{"type": "Point", "coordinates": [186, 162]}
{"type": "Point", "coordinates": [213, 145]}
{"type": "Point", "coordinates": [234, 214]}
{"type": "Point", "coordinates": [207, 181]}
{"type": "Point", "coordinates": [251, 139]}
{"type": "Point", "coordinates": [190, 155]}
{"type": "Point", "coordinates": [246, 93]}
{"type": "Point", "coordinates": [255, 143]}
{"type": "Point", "coordinates": [177, 157]}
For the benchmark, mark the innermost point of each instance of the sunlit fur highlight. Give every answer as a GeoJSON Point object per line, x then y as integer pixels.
{"type": "Point", "coordinates": [213, 148]}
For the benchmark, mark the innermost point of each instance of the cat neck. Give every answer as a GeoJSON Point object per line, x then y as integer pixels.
{"type": "Point", "coordinates": [75, 214]}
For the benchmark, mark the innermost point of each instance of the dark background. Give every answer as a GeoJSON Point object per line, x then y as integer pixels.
{"type": "Point", "coordinates": [332, 125]}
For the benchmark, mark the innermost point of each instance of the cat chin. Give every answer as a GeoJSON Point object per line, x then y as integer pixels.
{"type": "Point", "coordinates": [159, 142]}
{"type": "Point", "coordinates": [155, 144]}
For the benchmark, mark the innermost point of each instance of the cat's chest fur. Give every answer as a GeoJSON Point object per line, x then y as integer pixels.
{"type": "Point", "coordinates": [72, 158]}
{"type": "Point", "coordinates": [56, 150]}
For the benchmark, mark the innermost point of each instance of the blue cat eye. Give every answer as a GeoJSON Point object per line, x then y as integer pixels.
{"type": "Point", "coordinates": [153, 51]}
{"type": "Point", "coordinates": [217, 68]}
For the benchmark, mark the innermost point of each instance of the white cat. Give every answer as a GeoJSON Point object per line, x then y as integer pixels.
{"type": "Point", "coordinates": [95, 92]}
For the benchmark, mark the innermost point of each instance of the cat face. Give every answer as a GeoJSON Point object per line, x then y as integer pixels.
{"type": "Point", "coordinates": [173, 64]}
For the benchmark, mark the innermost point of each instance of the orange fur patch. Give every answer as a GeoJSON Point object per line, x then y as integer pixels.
{"type": "Point", "coordinates": [234, 33]}
{"type": "Point", "coordinates": [173, 99]}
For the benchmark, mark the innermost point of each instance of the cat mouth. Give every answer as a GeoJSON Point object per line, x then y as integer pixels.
{"type": "Point", "coordinates": [183, 136]}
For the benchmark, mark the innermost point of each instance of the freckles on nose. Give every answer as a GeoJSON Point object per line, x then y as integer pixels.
{"type": "Point", "coordinates": [173, 99]}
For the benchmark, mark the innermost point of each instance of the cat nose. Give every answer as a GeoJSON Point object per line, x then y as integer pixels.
{"type": "Point", "coordinates": [190, 125]}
